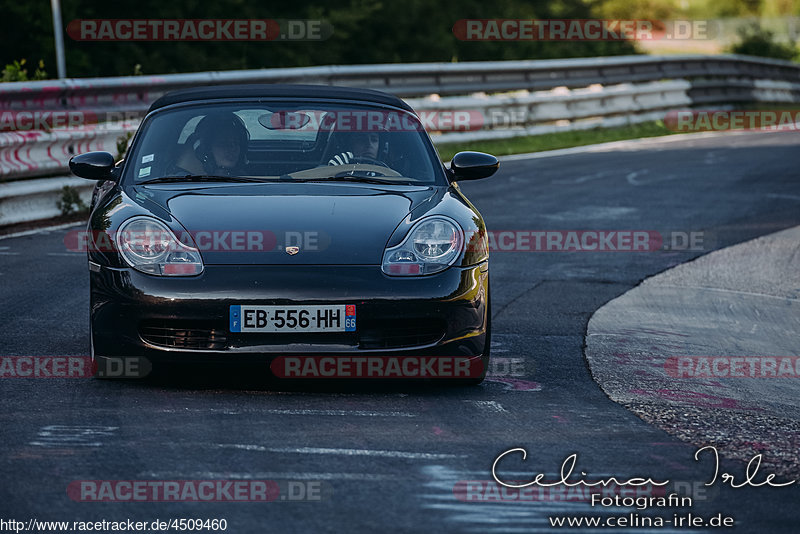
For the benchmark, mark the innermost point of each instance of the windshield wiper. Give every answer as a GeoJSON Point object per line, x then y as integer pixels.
{"type": "Point", "coordinates": [341, 177]}
{"type": "Point", "coordinates": [199, 178]}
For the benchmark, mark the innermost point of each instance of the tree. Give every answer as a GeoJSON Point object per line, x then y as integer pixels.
{"type": "Point", "coordinates": [756, 41]}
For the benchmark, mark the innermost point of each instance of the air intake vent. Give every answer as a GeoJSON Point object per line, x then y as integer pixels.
{"type": "Point", "coordinates": [398, 333]}
{"type": "Point", "coordinates": [181, 335]}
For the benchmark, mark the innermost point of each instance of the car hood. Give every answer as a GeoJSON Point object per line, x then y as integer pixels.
{"type": "Point", "coordinates": [253, 224]}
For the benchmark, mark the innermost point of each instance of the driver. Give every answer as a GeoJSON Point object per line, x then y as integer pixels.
{"type": "Point", "coordinates": [221, 144]}
{"type": "Point", "coordinates": [363, 146]}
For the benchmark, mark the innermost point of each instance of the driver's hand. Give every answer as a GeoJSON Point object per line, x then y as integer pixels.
{"type": "Point", "coordinates": [341, 159]}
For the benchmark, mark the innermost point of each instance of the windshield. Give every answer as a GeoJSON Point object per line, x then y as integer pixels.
{"type": "Point", "coordinates": [284, 141]}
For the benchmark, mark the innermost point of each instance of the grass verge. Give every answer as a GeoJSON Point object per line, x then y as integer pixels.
{"type": "Point", "coordinates": [42, 223]}
{"type": "Point", "coordinates": [538, 143]}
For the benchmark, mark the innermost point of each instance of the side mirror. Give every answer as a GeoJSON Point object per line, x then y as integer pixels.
{"type": "Point", "coordinates": [93, 165]}
{"type": "Point", "coordinates": [473, 165]}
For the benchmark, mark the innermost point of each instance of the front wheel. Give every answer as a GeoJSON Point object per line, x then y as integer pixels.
{"type": "Point", "coordinates": [116, 367]}
{"type": "Point", "coordinates": [487, 347]}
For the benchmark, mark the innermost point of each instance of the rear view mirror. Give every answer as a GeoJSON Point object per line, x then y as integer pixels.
{"type": "Point", "coordinates": [284, 120]}
{"type": "Point", "coordinates": [473, 165]}
{"type": "Point", "coordinates": [93, 165]}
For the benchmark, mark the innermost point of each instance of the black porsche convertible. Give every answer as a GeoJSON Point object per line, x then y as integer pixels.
{"type": "Point", "coordinates": [313, 228]}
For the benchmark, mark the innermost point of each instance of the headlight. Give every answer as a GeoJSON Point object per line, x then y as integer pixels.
{"type": "Point", "coordinates": [149, 246]}
{"type": "Point", "coordinates": [432, 245]}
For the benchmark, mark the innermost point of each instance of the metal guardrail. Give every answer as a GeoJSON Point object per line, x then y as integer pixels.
{"type": "Point", "coordinates": [551, 95]}
{"type": "Point", "coordinates": [39, 153]}
{"type": "Point", "coordinates": [506, 116]}
{"type": "Point", "coordinates": [405, 80]}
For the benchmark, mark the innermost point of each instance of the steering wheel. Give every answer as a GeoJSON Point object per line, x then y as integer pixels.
{"type": "Point", "coordinates": [369, 161]}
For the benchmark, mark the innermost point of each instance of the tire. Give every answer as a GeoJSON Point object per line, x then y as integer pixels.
{"type": "Point", "coordinates": [487, 347]}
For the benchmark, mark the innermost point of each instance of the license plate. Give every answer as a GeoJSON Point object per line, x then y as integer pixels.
{"type": "Point", "coordinates": [325, 318]}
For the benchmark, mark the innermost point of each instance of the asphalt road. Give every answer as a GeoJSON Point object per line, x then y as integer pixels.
{"type": "Point", "coordinates": [389, 458]}
{"type": "Point", "coordinates": [740, 301]}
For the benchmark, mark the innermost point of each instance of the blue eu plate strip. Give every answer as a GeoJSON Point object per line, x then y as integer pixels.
{"type": "Point", "coordinates": [350, 321]}
{"type": "Point", "coordinates": [236, 318]}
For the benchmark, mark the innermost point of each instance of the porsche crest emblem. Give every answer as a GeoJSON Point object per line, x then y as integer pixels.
{"type": "Point", "coordinates": [291, 251]}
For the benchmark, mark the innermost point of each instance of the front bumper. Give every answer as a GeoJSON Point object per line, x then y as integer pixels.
{"type": "Point", "coordinates": [186, 319]}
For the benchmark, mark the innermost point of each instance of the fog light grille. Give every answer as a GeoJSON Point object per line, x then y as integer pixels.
{"type": "Point", "coordinates": [398, 333]}
{"type": "Point", "coordinates": [175, 334]}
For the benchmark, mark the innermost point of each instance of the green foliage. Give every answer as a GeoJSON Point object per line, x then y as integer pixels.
{"type": "Point", "coordinates": [364, 32]}
{"type": "Point", "coordinates": [15, 72]}
{"type": "Point", "coordinates": [538, 143]}
{"type": "Point", "coordinates": [756, 41]}
{"type": "Point", "coordinates": [122, 144]}
{"type": "Point", "coordinates": [695, 9]}
{"type": "Point", "coordinates": [639, 9]}
{"type": "Point", "coordinates": [71, 201]}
